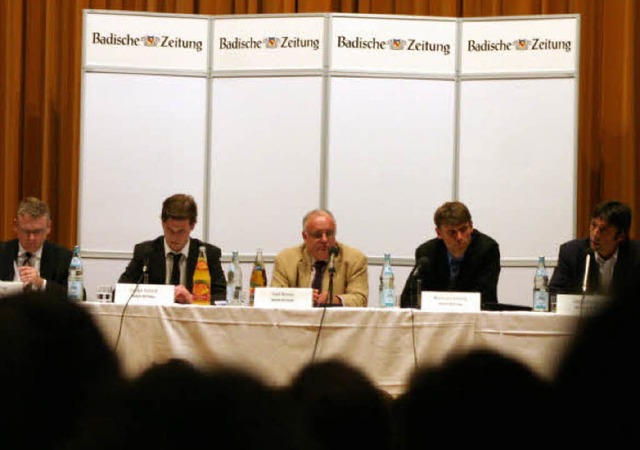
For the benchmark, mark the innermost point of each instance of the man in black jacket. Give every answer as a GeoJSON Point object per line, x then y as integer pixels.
{"type": "Point", "coordinates": [460, 258]}
{"type": "Point", "coordinates": [614, 259]}
{"type": "Point", "coordinates": [171, 258]}
{"type": "Point", "coordinates": [31, 258]}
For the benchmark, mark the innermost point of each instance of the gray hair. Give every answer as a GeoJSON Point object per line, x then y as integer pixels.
{"type": "Point", "coordinates": [313, 212]}
{"type": "Point", "coordinates": [34, 207]}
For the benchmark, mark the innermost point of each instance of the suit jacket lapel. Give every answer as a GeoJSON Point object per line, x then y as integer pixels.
{"type": "Point", "coordinates": [304, 269]}
{"type": "Point", "coordinates": [158, 262]}
{"type": "Point", "coordinates": [47, 261]}
{"type": "Point", "coordinates": [192, 259]}
{"type": "Point", "coordinates": [12, 256]}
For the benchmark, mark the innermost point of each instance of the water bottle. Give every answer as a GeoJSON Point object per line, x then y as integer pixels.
{"type": "Point", "coordinates": [75, 284]}
{"type": "Point", "coordinates": [234, 281]}
{"type": "Point", "coordinates": [202, 280]}
{"type": "Point", "coordinates": [258, 276]}
{"type": "Point", "coordinates": [541, 287]}
{"type": "Point", "coordinates": [387, 290]}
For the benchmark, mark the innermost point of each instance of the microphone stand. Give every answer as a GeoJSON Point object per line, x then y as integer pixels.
{"type": "Point", "coordinates": [417, 301]}
{"type": "Point", "coordinates": [332, 270]}
{"type": "Point", "coordinates": [585, 282]}
{"type": "Point", "coordinates": [145, 271]}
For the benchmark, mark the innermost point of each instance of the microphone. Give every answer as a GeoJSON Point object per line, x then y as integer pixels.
{"type": "Point", "coordinates": [420, 264]}
{"type": "Point", "coordinates": [26, 263]}
{"type": "Point", "coordinates": [333, 252]}
{"type": "Point", "coordinates": [145, 271]}
{"type": "Point", "coordinates": [585, 279]}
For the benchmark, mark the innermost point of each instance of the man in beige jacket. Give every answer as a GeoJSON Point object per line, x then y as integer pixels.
{"type": "Point", "coordinates": [306, 265]}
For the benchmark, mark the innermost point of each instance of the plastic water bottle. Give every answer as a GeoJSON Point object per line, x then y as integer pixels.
{"type": "Point", "coordinates": [75, 283]}
{"type": "Point", "coordinates": [387, 289]}
{"type": "Point", "coordinates": [234, 281]}
{"type": "Point", "coordinates": [541, 287]}
{"type": "Point", "coordinates": [202, 280]}
{"type": "Point", "coordinates": [258, 275]}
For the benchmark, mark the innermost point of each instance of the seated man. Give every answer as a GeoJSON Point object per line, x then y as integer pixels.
{"type": "Point", "coordinates": [171, 259]}
{"type": "Point", "coordinates": [460, 259]}
{"type": "Point", "coordinates": [614, 258]}
{"type": "Point", "coordinates": [299, 266]}
{"type": "Point", "coordinates": [31, 258]}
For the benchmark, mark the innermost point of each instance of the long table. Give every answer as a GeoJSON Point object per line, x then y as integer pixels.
{"type": "Point", "coordinates": [387, 344]}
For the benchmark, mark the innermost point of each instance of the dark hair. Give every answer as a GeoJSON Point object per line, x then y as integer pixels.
{"type": "Point", "coordinates": [329, 394]}
{"type": "Point", "coordinates": [452, 213]}
{"type": "Point", "coordinates": [177, 404]}
{"type": "Point", "coordinates": [465, 381]}
{"type": "Point", "coordinates": [179, 207]}
{"type": "Point", "coordinates": [614, 213]}
{"type": "Point", "coordinates": [56, 367]}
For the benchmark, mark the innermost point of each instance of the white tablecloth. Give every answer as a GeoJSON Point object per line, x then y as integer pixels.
{"type": "Point", "coordinates": [276, 343]}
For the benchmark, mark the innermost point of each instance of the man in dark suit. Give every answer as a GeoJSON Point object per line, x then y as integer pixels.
{"type": "Point", "coordinates": [31, 258]}
{"type": "Point", "coordinates": [171, 258]}
{"type": "Point", "coordinates": [614, 259]}
{"type": "Point", "coordinates": [460, 258]}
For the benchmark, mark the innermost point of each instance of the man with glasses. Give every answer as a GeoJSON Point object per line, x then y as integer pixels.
{"type": "Point", "coordinates": [306, 265]}
{"type": "Point", "coordinates": [31, 258]}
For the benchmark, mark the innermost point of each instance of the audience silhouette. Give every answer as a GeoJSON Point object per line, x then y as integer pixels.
{"type": "Point", "coordinates": [473, 398]}
{"type": "Point", "coordinates": [340, 407]}
{"type": "Point", "coordinates": [176, 405]}
{"type": "Point", "coordinates": [55, 367]}
{"type": "Point", "coordinates": [597, 381]}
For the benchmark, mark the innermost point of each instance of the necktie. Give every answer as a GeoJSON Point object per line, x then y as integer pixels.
{"type": "Point", "coordinates": [27, 259]}
{"type": "Point", "coordinates": [175, 269]}
{"type": "Point", "coordinates": [317, 278]}
{"type": "Point", "coordinates": [455, 269]}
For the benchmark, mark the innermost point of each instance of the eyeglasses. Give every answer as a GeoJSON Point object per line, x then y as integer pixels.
{"type": "Point", "coordinates": [318, 234]}
{"type": "Point", "coordinates": [36, 232]}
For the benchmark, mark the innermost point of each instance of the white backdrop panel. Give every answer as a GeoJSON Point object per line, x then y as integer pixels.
{"type": "Point", "coordinates": [265, 171]}
{"type": "Point", "coordinates": [390, 160]}
{"type": "Point", "coordinates": [143, 139]}
{"type": "Point", "coordinates": [517, 162]}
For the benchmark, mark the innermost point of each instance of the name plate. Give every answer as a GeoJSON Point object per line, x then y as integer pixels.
{"type": "Point", "coordinates": [579, 305]}
{"type": "Point", "coordinates": [144, 294]}
{"type": "Point", "coordinates": [444, 301]}
{"type": "Point", "coordinates": [8, 288]}
{"type": "Point", "coordinates": [283, 298]}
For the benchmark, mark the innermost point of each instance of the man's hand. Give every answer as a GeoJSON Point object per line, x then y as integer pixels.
{"type": "Point", "coordinates": [323, 298]}
{"type": "Point", "coordinates": [182, 295]}
{"type": "Point", "coordinates": [29, 275]}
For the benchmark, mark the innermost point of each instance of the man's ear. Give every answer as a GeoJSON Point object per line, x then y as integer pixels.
{"type": "Point", "coordinates": [438, 233]}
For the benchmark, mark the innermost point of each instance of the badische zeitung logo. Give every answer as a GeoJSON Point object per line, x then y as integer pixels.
{"type": "Point", "coordinates": [408, 44]}
{"type": "Point", "coordinates": [533, 44]}
{"type": "Point", "coordinates": [269, 42]}
{"type": "Point", "coordinates": [148, 40]}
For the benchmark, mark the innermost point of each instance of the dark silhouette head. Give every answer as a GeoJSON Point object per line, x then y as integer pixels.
{"type": "Point", "coordinates": [176, 405]}
{"type": "Point", "coordinates": [55, 366]}
{"type": "Point", "coordinates": [340, 407]}
{"type": "Point", "coordinates": [470, 399]}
